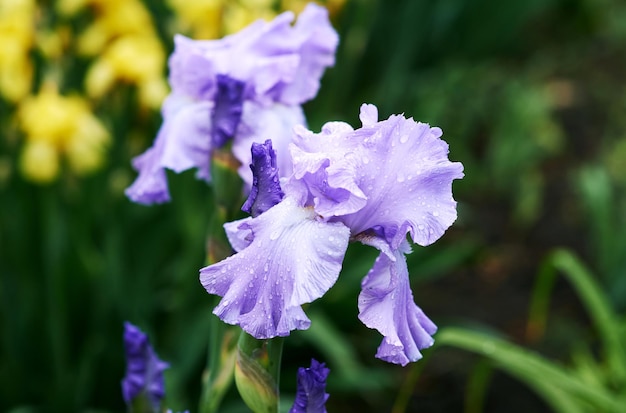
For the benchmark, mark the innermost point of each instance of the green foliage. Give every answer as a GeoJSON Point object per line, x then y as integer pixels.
{"type": "Point", "coordinates": [530, 96]}
{"type": "Point", "coordinates": [588, 384]}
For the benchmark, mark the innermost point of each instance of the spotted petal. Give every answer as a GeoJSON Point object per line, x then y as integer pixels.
{"type": "Point", "coordinates": [398, 167]}
{"type": "Point", "coordinates": [292, 258]}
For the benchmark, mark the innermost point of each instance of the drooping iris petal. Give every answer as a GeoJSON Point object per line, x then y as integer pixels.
{"type": "Point", "coordinates": [293, 258]}
{"type": "Point", "coordinates": [259, 123]}
{"type": "Point", "coordinates": [227, 109]}
{"type": "Point", "coordinates": [266, 191]}
{"type": "Point", "coordinates": [386, 304]}
{"type": "Point", "coordinates": [311, 393]}
{"type": "Point", "coordinates": [399, 168]}
{"type": "Point", "coordinates": [144, 369]}
{"type": "Point", "coordinates": [150, 186]}
{"type": "Point", "coordinates": [181, 144]}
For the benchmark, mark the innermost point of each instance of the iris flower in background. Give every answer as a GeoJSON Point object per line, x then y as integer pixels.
{"type": "Point", "coordinates": [374, 185]}
{"type": "Point", "coordinates": [311, 393]}
{"type": "Point", "coordinates": [58, 127]}
{"type": "Point", "coordinates": [144, 370]}
{"type": "Point", "coordinates": [246, 87]}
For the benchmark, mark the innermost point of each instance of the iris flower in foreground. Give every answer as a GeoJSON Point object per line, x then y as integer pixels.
{"type": "Point", "coordinates": [245, 87]}
{"type": "Point", "coordinates": [144, 369]}
{"type": "Point", "coordinates": [375, 185]}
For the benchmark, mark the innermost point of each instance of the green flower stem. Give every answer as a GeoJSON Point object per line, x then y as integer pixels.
{"type": "Point", "coordinates": [257, 372]}
{"type": "Point", "coordinates": [220, 370]}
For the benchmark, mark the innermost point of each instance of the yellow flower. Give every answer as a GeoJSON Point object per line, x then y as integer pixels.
{"type": "Point", "coordinates": [39, 161]}
{"type": "Point", "coordinates": [135, 59]}
{"type": "Point", "coordinates": [114, 18]}
{"type": "Point", "coordinates": [127, 49]}
{"type": "Point", "coordinates": [57, 126]}
{"type": "Point", "coordinates": [16, 40]}
{"type": "Point", "coordinates": [202, 18]}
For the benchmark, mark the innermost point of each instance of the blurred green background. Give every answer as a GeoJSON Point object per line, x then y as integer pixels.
{"type": "Point", "coordinates": [531, 98]}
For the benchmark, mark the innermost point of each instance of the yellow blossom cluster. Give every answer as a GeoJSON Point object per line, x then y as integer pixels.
{"type": "Point", "coordinates": [17, 28]}
{"type": "Point", "coordinates": [126, 48]}
{"type": "Point", "coordinates": [210, 19]}
{"type": "Point", "coordinates": [57, 125]}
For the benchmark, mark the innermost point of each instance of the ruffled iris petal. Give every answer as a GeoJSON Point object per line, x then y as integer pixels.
{"type": "Point", "coordinates": [182, 143]}
{"type": "Point", "coordinates": [259, 123]}
{"type": "Point", "coordinates": [311, 393]}
{"type": "Point", "coordinates": [317, 52]}
{"type": "Point", "coordinates": [394, 175]}
{"type": "Point", "coordinates": [292, 259]}
{"type": "Point", "coordinates": [386, 304]}
{"type": "Point", "coordinates": [326, 170]}
{"type": "Point", "coordinates": [277, 62]}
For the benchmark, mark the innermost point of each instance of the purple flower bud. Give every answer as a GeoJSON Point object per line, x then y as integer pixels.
{"type": "Point", "coordinates": [144, 370]}
{"type": "Point", "coordinates": [311, 393]}
{"type": "Point", "coordinates": [265, 192]}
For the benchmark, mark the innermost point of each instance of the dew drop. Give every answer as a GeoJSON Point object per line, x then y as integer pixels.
{"type": "Point", "coordinates": [404, 138]}
{"type": "Point", "coordinates": [420, 227]}
{"type": "Point", "coordinates": [435, 213]}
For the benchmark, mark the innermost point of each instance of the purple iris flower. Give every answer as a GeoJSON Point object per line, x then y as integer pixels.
{"type": "Point", "coordinates": [144, 369]}
{"type": "Point", "coordinates": [375, 185]}
{"type": "Point", "coordinates": [246, 87]}
{"type": "Point", "coordinates": [311, 393]}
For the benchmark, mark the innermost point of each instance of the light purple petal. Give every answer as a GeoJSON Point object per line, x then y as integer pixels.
{"type": "Point", "coordinates": [311, 393]}
{"type": "Point", "coordinates": [317, 52]}
{"type": "Point", "coordinates": [144, 369]}
{"type": "Point", "coordinates": [277, 62]}
{"type": "Point", "coordinates": [186, 132]}
{"type": "Point", "coordinates": [293, 258]}
{"type": "Point", "coordinates": [150, 186]}
{"type": "Point", "coordinates": [326, 168]}
{"type": "Point", "coordinates": [259, 123]}
{"type": "Point", "coordinates": [386, 304]}
{"type": "Point", "coordinates": [183, 142]}
{"type": "Point", "coordinates": [393, 175]}
{"type": "Point", "coordinates": [239, 233]}
{"type": "Point", "coordinates": [266, 191]}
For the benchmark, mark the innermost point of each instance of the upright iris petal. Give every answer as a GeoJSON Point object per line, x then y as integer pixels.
{"type": "Point", "coordinates": [246, 87]}
{"type": "Point", "coordinates": [386, 304]}
{"type": "Point", "coordinates": [392, 175]}
{"type": "Point", "coordinates": [266, 191]}
{"type": "Point", "coordinates": [144, 370]}
{"type": "Point", "coordinates": [311, 393]}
